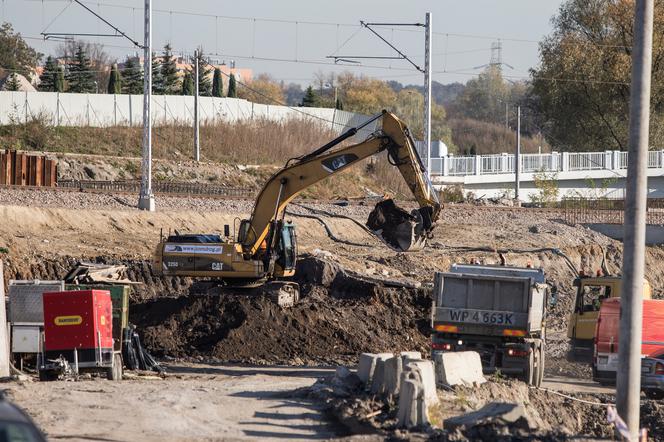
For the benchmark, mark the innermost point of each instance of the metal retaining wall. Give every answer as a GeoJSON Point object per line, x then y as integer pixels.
{"type": "Point", "coordinates": [21, 169]}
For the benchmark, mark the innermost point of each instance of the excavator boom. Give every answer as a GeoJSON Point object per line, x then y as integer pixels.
{"type": "Point", "coordinates": [410, 230]}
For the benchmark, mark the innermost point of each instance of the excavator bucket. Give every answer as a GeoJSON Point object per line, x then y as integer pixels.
{"type": "Point", "coordinates": [398, 229]}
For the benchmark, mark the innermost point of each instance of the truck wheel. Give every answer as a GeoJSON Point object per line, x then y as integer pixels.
{"type": "Point", "coordinates": [540, 366]}
{"type": "Point", "coordinates": [655, 394]}
{"type": "Point", "coordinates": [529, 370]}
{"type": "Point", "coordinates": [114, 373]}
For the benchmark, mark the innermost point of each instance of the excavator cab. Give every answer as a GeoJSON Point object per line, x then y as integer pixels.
{"type": "Point", "coordinates": [283, 253]}
{"type": "Point", "coordinates": [286, 251]}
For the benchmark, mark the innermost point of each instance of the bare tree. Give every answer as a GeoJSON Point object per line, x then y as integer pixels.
{"type": "Point", "coordinates": [100, 61]}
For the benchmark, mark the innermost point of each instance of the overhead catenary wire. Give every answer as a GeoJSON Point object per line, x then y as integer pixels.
{"type": "Point", "coordinates": [338, 24]}
{"type": "Point", "coordinates": [296, 59]}
{"type": "Point", "coordinates": [445, 71]}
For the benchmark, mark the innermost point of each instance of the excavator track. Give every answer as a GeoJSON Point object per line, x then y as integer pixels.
{"type": "Point", "coordinates": [283, 293]}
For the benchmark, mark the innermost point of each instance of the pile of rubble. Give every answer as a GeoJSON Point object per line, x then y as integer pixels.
{"type": "Point", "coordinates": [402, 395]}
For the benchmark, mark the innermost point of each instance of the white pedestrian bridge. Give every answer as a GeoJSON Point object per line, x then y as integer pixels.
{"type": "Point", "coordinates": [577, 174]}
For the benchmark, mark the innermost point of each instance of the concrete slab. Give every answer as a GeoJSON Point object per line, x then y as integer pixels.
{"type": "Point", "coordinates": [493, 414]}
{"type": "Point", "coordinates": [458, 368]}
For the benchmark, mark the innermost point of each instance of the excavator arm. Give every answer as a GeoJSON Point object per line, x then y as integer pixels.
{"type": "Point", "coordinates": [310, 169]}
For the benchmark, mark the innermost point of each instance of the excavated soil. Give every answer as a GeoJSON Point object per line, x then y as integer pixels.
{"type": "Point", "coordinates": [335, 318]}
{"type": "Point", "coordinates": [325, 327]}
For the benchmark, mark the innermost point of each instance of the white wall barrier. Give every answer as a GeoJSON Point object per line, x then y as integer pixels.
{"type": "Point", "coordinates": [103, 110]}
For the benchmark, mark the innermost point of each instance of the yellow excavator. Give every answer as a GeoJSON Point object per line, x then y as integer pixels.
{"type": "Point", "coordinates": [265, 251]}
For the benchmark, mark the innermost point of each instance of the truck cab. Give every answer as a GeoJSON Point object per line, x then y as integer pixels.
{"type": "Point", "coordinates": [591, 291]}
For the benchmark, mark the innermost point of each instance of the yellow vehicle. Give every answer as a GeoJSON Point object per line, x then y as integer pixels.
{"type": "Point", "coordinates": [589, 296]}
{"type": "Point", "coordinates": [265, 249]}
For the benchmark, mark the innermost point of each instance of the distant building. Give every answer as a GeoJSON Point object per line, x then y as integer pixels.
{"type": "Point", "coordinates": [24, 83]}
{"type": "Point", "coordinates": [184, 64]}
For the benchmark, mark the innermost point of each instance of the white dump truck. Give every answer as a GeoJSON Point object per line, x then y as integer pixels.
{"type": "Point", "coordinates": [497, 311]}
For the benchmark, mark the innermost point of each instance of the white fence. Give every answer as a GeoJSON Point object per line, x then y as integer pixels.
{"type": "Point", "coordinates": [102, 110]}
{"type": "Point", "coordinates": [532, 163]}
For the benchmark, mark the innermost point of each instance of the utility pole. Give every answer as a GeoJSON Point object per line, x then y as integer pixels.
{"type": "Point", "coordinates": [146, 198]}
{"type": "Point", "coordinates": [427, 90]}
{"type": "Point", "coordinates": [628, 386]}
{"type": "Point", "coordinates": [401, 56]}
{"type": "Point", "coordinates": [517, 156]}
{"type": "Point", "coordinates": [197, 146]}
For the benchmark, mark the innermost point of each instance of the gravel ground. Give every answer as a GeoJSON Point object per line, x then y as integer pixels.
{"type": "Point", "coordinates": [101, 201]}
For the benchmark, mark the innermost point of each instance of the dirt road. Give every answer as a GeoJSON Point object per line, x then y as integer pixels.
{"type": "Point", "coordinates": [193, 403]}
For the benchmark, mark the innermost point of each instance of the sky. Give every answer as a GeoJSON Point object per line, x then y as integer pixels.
{"type": "Point", "coordinates": [291, 39]}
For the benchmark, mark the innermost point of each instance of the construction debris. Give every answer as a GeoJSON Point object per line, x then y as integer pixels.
{"type": "Point", "coordinates": [495, 418]}
{"type": "Point", "coordinates": [89, 273]}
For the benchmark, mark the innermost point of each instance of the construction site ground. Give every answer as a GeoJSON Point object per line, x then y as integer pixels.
{"type": "Point", "coordinates": [235, 361]}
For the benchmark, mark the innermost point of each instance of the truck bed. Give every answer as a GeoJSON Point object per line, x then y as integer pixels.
{"type": "Point", "coordinates": [489, 305]}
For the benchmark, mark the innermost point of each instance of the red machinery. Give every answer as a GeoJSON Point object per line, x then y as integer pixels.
{"type": "Point", "coordinates": [78, 331]}
{"type": "Point", "coordinates": [605, 358]}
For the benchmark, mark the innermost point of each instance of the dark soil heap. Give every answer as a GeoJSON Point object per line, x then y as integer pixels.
{"type": "Point", "coordinates": [319, 329]}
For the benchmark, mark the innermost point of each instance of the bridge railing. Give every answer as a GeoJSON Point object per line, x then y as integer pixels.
{"type": "Point", "coordinates": [496, 164]}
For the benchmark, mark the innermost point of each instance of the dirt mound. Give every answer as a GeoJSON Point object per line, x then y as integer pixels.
{"type": "Point", "coordinates": [150, 285]}
{"type": "Point", "coordinates": [322, 328]}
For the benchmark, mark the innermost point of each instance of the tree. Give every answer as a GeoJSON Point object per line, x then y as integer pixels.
{"type": "Point", "coordinates": [132, 77]}
{"type": "Point", "coordinates": [15, 54]}
{"type": "Point", "coordinates": [188, 84]}
{"type": "Point", "coordinates": [409, 105]}
{"type": "Point", "coordinates": [232, 87]}
{"type": "Point", "coordinates": [169, 73]}
{"type": "Point", "coordinates": [364, 95]}
{"type": "Point", "coordinates": [115, 81]}
{"type": "Point", "coordinates": [99, 59]}
{"type": "Point", "coordinates": [158, 86]}
{"type": "Point", "coordinates": [12, 83]}
{"type": "Point", "coordinates": [48, 77]}
{"type": "Point", "coordinates": [582, 84]}
{"type": "Point", "coordinates": [263, 89]}
{"type": "Point", "coordinates": [309, 99]}
{"type": "Point", "coordinates": [217, 84]}
{"type": "Point", "coordinates": [80, 77]}
{"type": "Point", "coordinates": [60, 80]}
{"type": "Point", "coordinates": [339, 105]}
{"type": "Point", "coordinates": [204, 83]}
{"type": "Point", "coordinates": [484, 97]}
{"type": "Point", "coordinates": [294, 94]}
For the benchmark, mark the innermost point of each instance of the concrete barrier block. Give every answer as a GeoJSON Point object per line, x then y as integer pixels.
{"type": "Point", "coordinates": [410, 355]}
{"type": "Point", "coordinates": [366, 367]}
{"type": "Point", "coordinates": [407, 408]}
{"type": "Point", "coordinates": [427, 377]}
{"type": "Point", "coordinates": [378, 378]}
{"type": "Point", "coordinates": [459, 368]}
{"type": "Point", "coordinates": [393, 368]}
